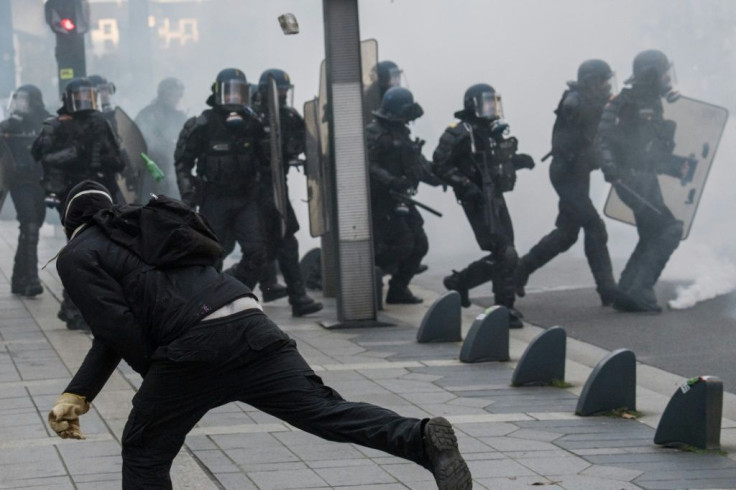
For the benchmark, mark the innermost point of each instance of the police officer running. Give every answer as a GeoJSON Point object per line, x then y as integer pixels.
{"type": "Point", "coordinates": [635, 144]}
{"type": "Point", "coordinates": [574, 157]}
{"type": "Point", "coordinates": [396, 167]}
{"type": "Point", "coordinates": [479, 162]}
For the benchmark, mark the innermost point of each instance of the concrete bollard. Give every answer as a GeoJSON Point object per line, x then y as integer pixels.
{"type": "Point", "coordinates": [693, 415]}
{"type": "Point", "coordinates": [488, 338]}
{"type": "Point", "coordinates": [543, 360]}
{"type": "Point", "coordinates": [611, 385]}
{"type": "Point", "coordinates": [442, 321]}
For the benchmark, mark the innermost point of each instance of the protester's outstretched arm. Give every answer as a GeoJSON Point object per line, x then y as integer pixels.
{"type": "Point", "coordinates": [94, 372]}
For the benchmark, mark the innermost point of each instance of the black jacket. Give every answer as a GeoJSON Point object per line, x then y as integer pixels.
{"type": "Point", "coordinates": [134, 309]}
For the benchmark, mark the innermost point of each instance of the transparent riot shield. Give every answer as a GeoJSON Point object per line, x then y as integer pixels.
{"type": "Point", "coordinates": [316, 199]}
{"type": "Point", "coordinates": [277, 158]}
{"type": "Point", "coordinates": [698, 131]}
{"type": "Point", "coordinates": [132, 145]}
{"type": "Point", "coordinates": [7, 164]}
{"type": "Point", "coordinates": [371, 90]}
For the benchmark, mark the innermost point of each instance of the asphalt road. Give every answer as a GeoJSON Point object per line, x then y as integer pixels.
{"type": "Point", "coordinates": [697, 341]}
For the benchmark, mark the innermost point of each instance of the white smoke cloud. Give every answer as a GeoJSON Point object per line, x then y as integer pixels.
{"type": "Point", "coordinates": [714, 275]}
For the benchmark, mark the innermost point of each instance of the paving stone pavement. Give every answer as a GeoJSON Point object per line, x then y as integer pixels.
{"type": "Point", "coordinates": [512, 438]}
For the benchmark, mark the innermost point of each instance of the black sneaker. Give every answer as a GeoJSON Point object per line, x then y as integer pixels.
{"type": "Point", "coordinates": [454, 283]}
{"type": "Point", "coordinates": [273, 292]}
{"type": "Point", "coordinates": [446, 463]}
{"type": "Point", "coordinates": [398, 295]}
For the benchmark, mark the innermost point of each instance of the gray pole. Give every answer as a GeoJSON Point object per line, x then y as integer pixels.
{"type": "Point", "coordinates": [356, 292]}
{"type": "Point", "coordinates": [7, 50]}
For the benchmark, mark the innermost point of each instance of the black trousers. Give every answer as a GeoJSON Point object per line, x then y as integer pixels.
{"type": "Point", "coordinates": [400, 243]}
{"type": "Point", "coordinates": [239, 219]}
{"type": "Point", "coordinates": [576, 212]}
{"type": "Point", "coordinates": [246, 358]}
{"type": "Point", "coordinates": [500, 265]}
{"type": "Point", "coordinates": [28, 201]}
{"type": "Point", "coordinates": [659, 235]}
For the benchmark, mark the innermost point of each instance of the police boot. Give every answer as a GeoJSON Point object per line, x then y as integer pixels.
{"type": "Point", "coordinates": [301, 303]}
{"type": "Point", "coordinates": [473, 275]}
{"type": "Point", "coordinates": [25, 281]}
{"type": "Point", "coordinates": [400, 294]}
{"type": "Point", "coordinates": [271, 290]}
{"type": "Point", "coordinates": [636, 302]}
{"type": "Point", "coordinates": [507, 301]}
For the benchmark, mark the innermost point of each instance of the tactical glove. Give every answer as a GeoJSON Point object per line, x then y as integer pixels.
{"type": "Point", "coordinates": [400, 184]}
{"type": "Point", "coordinates": [521, 160]}
{"type": "Point", "coordinates": [471, 193]}
{"type": "Point", "coordinates": [64, 417]}
{"type": "Point", "coordinates": [52, 201]}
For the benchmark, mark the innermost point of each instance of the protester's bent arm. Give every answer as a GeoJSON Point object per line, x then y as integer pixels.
{"type": "Point", "coordinates": [94, 372]}
{"type": "Point", "coordinates": [102, 303]}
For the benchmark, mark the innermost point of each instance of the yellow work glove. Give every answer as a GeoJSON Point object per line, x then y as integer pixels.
{"type": "Point", "coordinates": [64, 417]}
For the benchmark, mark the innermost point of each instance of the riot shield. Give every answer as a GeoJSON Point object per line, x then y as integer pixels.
{"type": "Point", "coordinates": [132, 144]}
{"type": "Point", "coordinates": [316, 198]}
{"type": "Point", "coordinates": [698, 130]}
{"type": "Point", "coordinates": [277, 157]}
{"type": "Point", "coordinates": [371, 90]}
{"type": "Point", "coordinates": [7, 164]}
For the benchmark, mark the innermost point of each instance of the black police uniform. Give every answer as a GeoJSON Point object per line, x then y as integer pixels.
{"type": "Point", "coordinates": [24, 183]}
{"type": "Point", "coordinates": [232, 168]}
{"type": "Point", "coordinates": [285, 249]}
{"type": "Point", "coordinates": [635, 143]}
{"type": "Point", "coordinates": [396, 167]}
{"type": "Point", "coordinates": [573, 151]}
{"type": "Point", "coordinates": [463, 148]}
{"type": "Point", "coordinates": [152, 319]}
{"type": "Point", "coordinates": [71, 148]}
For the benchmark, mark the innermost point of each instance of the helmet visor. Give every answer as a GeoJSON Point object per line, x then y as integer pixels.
{"type": "Point", "coordinates": [233, 92]}
{"type": "Point", "coordinates": [286, 95]}
{"type": "Point", "coordinates": [20, 102]}
{"type": "Point", "coordinates": [82, 99]}
{"type": "Point", "coordinates": [104, 95]}
{"type": "Point", "coordinates": [488, 106]}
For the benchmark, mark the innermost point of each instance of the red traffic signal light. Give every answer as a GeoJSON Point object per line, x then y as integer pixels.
{"type": "Point", "coordinates": [67, 25]}
{"type": "Point", "coordinates": [67, 16]}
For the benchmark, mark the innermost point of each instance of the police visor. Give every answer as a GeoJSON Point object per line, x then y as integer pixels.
{"type": "Point", "coordinates": [233, 92]}
{"type": "Point", "coordinates": [82, 99]}
{"type": "Point", "coordinates": [488, 106]}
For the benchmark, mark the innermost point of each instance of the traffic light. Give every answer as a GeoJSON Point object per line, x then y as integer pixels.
{"type": "Point", "coordinates": [69, 19]}
{"type": "Point", "coordinates": [67, 16]}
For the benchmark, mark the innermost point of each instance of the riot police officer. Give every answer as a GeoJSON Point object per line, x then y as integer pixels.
{"type": "Point", "coordinates": [160, 123]}
{"type": "Point", "coordinates": [23, 178]}
{"type": "Point", "coordinates": [573, 152]}
{"type": "Point", "coordinates": [396, 167]}
{"type": "Point", "coordinates": [77, 145]}
{"type": "Point", "coordinates": [285, 248]}
{"type": "Point", "coordinates": [225, 145]}
{"type": "Point", "coordinates": [635, 143]}
{"type": "Point", "coordinates": [479, 162]}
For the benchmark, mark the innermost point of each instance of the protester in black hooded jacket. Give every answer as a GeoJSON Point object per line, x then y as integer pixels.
{"type": "Point", "coordinates": [200, 340]}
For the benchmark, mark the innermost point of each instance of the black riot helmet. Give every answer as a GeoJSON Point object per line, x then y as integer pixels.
{"type": "Point", "coordinates": [230, 90]}
{"type": "Point", "coordinates": [594, 78]}
{"type": "Point", "coordinates": [652, 71]}
{"type": "Point", "coordinates": [105, 91]}
{"type": "Point", "coordinates": [398, 106]}
{"type": "Point", "coordinates": [26, 99]}
{"type": "Point", "coordinates": [79, 95]}
{"type": "Point", "coordinates": [388, 74]}
{"type": "Point", "coordinates": [483, 101]}
{"type": "Point", "coordinates": [283, 85]}
{"type": "Point", "coordinates": [170, 91]}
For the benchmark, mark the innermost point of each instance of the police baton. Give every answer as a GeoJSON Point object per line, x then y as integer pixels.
{"type": "Point", "coordinates": [545, 157]}
{"type": "Point", "coordinates": [639, 197]}
{"type": "Point", "coordinates": [404, 197]}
